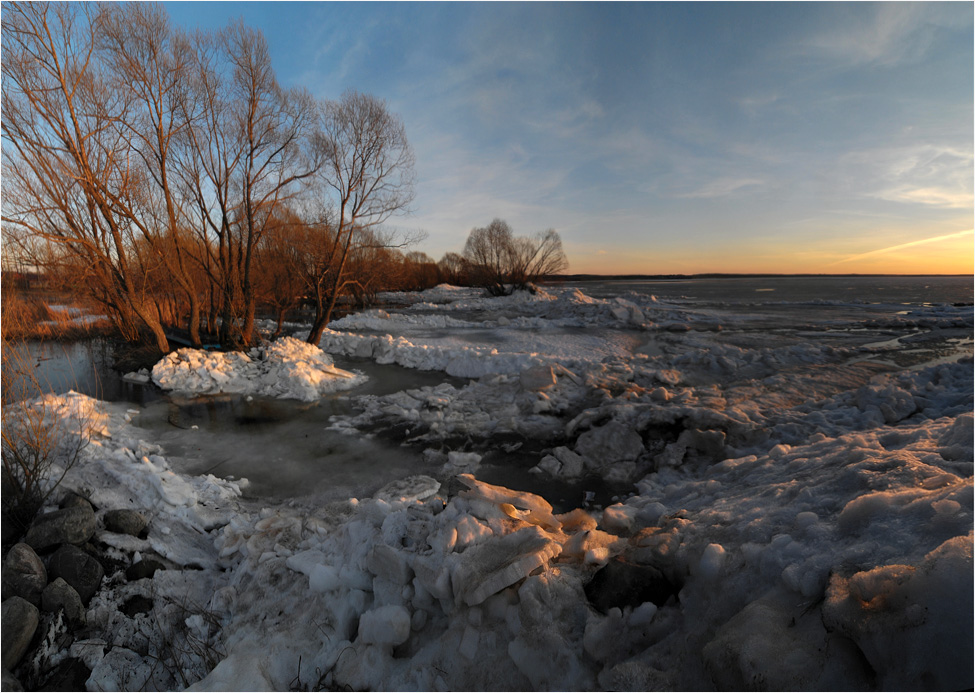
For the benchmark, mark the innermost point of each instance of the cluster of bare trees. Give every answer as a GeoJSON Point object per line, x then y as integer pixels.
{"type": "Point", "coordinates": [501, 262]}
{"type": "Point", "coordinates": [171, 177]}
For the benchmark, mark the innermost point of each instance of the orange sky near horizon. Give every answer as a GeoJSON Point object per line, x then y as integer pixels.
{"type": "Point", "coordinates": [951, 253]}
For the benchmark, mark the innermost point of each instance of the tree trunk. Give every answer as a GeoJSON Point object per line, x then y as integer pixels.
{"type": "Point", "coordinates": [193, 324]}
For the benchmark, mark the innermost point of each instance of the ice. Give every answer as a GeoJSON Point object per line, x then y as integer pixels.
{"type": "Point", "coordinates": [797, 513]}
{"type": "Point", "coordinates": [385, 625]}
{"type": "Point", "coordinates": [896, 614]}
{"type": "Point", "coordinates": [288, 369]}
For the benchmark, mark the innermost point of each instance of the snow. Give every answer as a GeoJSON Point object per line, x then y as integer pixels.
{"type": "Point", "coordinates": [798, 511]}
{"type": "Point", "coordinates": [287, 369]}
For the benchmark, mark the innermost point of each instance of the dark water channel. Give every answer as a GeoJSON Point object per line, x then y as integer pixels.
{"type": "Point", "coordinates": [282, 447]}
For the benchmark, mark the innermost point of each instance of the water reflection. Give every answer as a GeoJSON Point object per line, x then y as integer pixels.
{"type": "Point", "coordinates": [281, 446]}
{"type": "Point", "coordinates": [84, 366]}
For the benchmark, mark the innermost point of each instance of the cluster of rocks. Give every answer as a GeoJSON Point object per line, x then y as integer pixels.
{"type": "Point", "coordinates": [53, 573]}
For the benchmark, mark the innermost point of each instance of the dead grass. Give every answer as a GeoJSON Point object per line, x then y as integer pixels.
{"type": "Point", "coordinates": [33, 315]}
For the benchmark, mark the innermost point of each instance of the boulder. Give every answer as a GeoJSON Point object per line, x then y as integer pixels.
{"type": "Point", "coordinates": [74, 525]}
{"type": "Point", "coordinates": [78, 569]}
{"type": "Point", "coordinates": [73, 500]}
{"type": "Point", "coordinates": [125, 522]}
{"type": "Point", "coordinates": [24, 574]}
{"type": "Point", "coordinates": [19, 621]}
{"type": "Point", "coordinates": [59, 595]}
{"type": "Point", "coordinates": [10, 683]}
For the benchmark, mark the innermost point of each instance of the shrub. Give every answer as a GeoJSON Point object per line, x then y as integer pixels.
{"type": "Point", "coordinates": [39, 444]}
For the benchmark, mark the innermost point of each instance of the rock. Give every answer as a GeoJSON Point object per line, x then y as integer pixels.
{"type": "Point", "coordinates": [19, 621]}
{"type": "Point", "coordinates": [59, 595]}
{"type": "Point", "coordinates": [623, 583]}
{"type": "Point", "coordinates": [78, 569]}
{"type": "Point", "coordinates": [10, 683]}
{"type": "Point", "coordinates": [609, 444]}
{"type": "Point", "coordinates": [69, 526]}
{"type": "Point", "coordinates": [125, 522]}
{"type": "Point", "coordinates": [385, 625]}
{"type": "Point", "coordinates": [145, 568]}
{"type": "Point", "coordinates": [74, 500]}
{"type": "Point", "coordinates": [537, 378]}
{"type": "Point", "coordinates": [24, 574]}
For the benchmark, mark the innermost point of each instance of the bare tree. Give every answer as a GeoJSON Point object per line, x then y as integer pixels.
{"type": "Point", "coordinates": [502, 263]}
{"type": "Point", "coordinates": [368, 170]}
{"type": "Point", "coordinates": [491, 254]}
{"type": "Point", "coordinates": [454, 268]}
{"type": "Point", "coordinates": [251, 153]}
{"type": "Point", "coordinates": [65, 162]}
{"type": "Point", "coordinates": [147, 63]}
{"type": "Point", "coordinates": [537, 257]}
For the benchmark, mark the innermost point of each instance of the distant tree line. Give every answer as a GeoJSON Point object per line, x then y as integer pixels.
{"type": "Point", "coordinates": [170, 177]}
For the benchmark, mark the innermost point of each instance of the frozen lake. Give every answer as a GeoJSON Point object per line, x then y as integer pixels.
{"type": "Point", "coordinates": [286, 448]}
{"type": "Point", "coordinates": [598, 486]}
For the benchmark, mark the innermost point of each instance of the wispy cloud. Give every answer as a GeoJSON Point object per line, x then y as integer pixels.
{"type": "Point", "coordinates": [931, 175]}
{"type": "Point", "coordinates": [902, 246]}
{"type": "Point", "coordinates": [877, 34]}
{"type": "Point", "coordinates": [723, 187]}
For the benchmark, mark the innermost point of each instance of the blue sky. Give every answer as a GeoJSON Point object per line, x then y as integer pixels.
{"type": "Point", "coordinates": [664, 138]}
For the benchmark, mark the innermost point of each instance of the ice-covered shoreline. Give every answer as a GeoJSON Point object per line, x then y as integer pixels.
{"type": "Point", "coordinates": [801, 518]}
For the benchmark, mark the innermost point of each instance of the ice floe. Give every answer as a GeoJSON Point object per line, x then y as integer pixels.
{"type": "Point", "coordinates": [287, 368]}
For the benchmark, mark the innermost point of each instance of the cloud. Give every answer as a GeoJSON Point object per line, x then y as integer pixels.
{"type": "Point", "coordinates": [723, 187]}
{"type": "Point", "coordinates": [883, 34]}
{"type": "Point", "coordinates": [925, 174]}
{"type": "Point", "coordinates": [923, 241]}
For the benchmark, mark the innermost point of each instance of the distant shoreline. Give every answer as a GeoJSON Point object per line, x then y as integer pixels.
{"type": "Point", "coordinates": [713, 275]}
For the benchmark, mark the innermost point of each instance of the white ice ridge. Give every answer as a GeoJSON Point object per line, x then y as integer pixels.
{"type": "Point", "coordinates": [287, 369]}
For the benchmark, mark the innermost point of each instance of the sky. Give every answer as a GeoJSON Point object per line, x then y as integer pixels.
{"type": "Point", "coordinates": [664, 138]}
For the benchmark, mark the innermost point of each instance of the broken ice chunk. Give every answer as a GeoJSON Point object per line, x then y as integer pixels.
{"type": "Point", "coordinates": [541, 509]}
{"type": "Point", "coordinates": [489, 567]}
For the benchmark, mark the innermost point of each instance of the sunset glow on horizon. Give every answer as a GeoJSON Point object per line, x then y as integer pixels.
{"type": "Point", "coordinates": [662, 138]}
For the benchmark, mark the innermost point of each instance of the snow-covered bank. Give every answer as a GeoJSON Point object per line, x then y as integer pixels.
{"type": "Point", "coordinates": [287, 368]}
